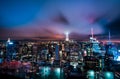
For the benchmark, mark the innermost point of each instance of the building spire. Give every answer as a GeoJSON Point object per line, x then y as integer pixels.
{"type": "Point", "coordinates": [109, 36]}
{"type": "Point", "coordinates": [67, 36]}
{"type": "Point", "coordinates": [8, 40]}
{"type": "Point", "coordinates": [92, 32]}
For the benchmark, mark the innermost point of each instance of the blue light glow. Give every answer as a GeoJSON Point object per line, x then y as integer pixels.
{"type": "Point", "coordinates": [46, 70]}
{"type": "Point", "coordinates": [10, 43]}
{"type": "Point", "coordinates": [91, 74]}
{"type": "Point", "coordinates": [108, 75]}
{"type": "Point", "coordinates": [118, 58]}
{"type": "Point", "coordinates": [118, 50]}
{"type": "Point", "coordinates": [58, 70]}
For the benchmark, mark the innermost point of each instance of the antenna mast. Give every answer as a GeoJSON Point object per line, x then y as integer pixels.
{"type": "Point", "coordinates": [92, 32]}
{"type": "Point", "coordinates": [109, 36]}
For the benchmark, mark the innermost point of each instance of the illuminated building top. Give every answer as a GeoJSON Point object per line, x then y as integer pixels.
{"type": "Point", "coordinates": [67, 36]}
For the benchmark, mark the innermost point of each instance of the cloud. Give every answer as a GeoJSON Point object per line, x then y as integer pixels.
{"type": "Point", "coordinates": [44, 18]}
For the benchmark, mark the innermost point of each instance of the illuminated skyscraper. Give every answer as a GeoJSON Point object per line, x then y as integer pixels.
{"type": "Point", "coordinates": [95, 43]}
{"type": "Point", "coordinates": [57, 56]}
{"type": "Point", "coordinates": [57, 53]}
{"type": "Point", "coordinates": [111, 48]}
{"type": "Point", "coordinates": [8, 40]}
{"type": "Point", "coordinates": [67, 36]}
{"type": "Point", "coordinates": [10, 51]}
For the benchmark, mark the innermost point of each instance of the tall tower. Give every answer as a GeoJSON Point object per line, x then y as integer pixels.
{"type": "Point", "coordinates": [92, 39]}
{"type": "Point", "coordinates": [95, 43]}
{"type": "Point", "coordinates": [67, 36]}
{"type": "Point", "coordinates": [57, 53]}
{"type": "Point", "coordinates": [8, 40]}
{"type": "Point", "coordinates": [109, 37]}
{"type": "Point", "coordinates": [10, 51]}
{"type": "Point", "coordinates": [92, 32]}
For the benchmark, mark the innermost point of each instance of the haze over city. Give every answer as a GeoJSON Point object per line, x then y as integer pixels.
{"type": "Point", "coordinates": [50, 19]}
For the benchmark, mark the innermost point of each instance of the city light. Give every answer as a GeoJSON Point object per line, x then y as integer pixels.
{"type": "Point", "coordinates": [108, 75]}
{"type": "Point", "coordinates": [8, 40]}
{"type": "Point", "coordinates": [10, 43]}
{"type": "Point", "coordinates": [60, 39]}
{"type": "Point", "coordinates": [91, 74]}
{"type": "Point", "coordinates": [118, 50]}
{"type": "Point", "coordinates": [46, 70]}
{"type": "Point", "coordinates": [67, 36]}
{"type": "Point", "coordinates": [118, 59]}
{"type": "Point", "coordinates": [58, 70]}
{"type": "Point", "coordinates": [75, 65]}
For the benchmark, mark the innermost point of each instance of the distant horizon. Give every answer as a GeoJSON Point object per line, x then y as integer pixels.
{"type": "Point", "coordinates": [87, 39]}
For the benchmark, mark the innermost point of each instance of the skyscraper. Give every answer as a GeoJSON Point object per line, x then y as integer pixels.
{"type": "Point", "coordinates": [67, 36]}
{"type": "Point", "coordinates": [10, 51]}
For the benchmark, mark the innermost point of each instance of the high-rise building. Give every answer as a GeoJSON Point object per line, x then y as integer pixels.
{"type": "Point", "coordinates": [10, 50]}
{"type": "Point", "coordinates": [95, 43]}
{"type": "Point", "coordinates": [67, 36]}
{"type": "Point", "coordinates": [57, 53]}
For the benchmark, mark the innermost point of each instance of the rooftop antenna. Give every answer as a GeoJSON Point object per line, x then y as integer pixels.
{"type": "Point", "coordinates": [109, 36]}
{"type": "Point", "coordinates": [92, 32]}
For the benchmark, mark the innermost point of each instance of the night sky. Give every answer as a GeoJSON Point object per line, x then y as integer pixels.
{"type": "Point", "coordinates": [51, 19]}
